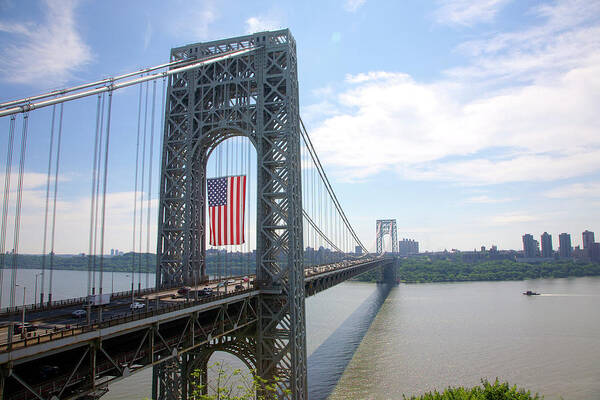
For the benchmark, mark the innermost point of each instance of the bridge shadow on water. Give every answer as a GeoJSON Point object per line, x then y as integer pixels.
{"type": "Point", "coordinates": [329, 361]}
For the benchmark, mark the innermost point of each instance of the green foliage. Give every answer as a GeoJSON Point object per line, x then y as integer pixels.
{"type": "Point", "coordinates": [237, 263]}
{"type": "Point", "coordinates": [423, 269]}
{"type": "Point", "coordinates": [487, 391]}
{"type": "Point", "coordinates": [233, 384]}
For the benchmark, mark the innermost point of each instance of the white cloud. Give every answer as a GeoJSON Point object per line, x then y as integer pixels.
{"type": "Point", "coordinates": [147, 34]}
{"type": "Point", "coordinates": [484, 199]}
{"type": "Point", "coordinates": [46, 53]}
{"type": "Point", "coordinates": [195, 23]}
{"type": "Point", "coordinates": [262, 23]}
{"type": "Point", "coordinates": [575, 190]}
{"type": "Point", "coordinates": [512, 218]}
{"type": "Point", "coordinates": [353, 5]}
{"type": "Point", "coordinates": [568, 38]}
{"type": "Point", "coordinates": [72, 222]}
{"type": "Point", "coordinates": [461, 131]}
{"type": "Point", "coordinates": [468, 12]}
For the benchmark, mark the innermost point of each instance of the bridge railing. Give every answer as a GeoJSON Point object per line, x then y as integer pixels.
{"type": "Point", "coordinates": [82, 327]}
{"type": "Point", "coordinates": [50, 386]}
{"type": "Point", "coordinates": [83, 300]}
{"type": "Point", "coordinates": [72, 330]}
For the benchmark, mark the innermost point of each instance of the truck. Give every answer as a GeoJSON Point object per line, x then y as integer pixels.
{"type": "Point", "coordinates": [99, 299]}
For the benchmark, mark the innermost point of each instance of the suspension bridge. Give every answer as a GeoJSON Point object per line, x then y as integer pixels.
{"type": "Point", "coordinates": [224, 108]}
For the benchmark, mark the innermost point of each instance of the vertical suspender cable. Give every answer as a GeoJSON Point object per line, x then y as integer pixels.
{"type": "Point", "coordinates": [93, 196]}
{"type": "Point", "coordinates": [46, 206]}
{"type": "Point", "coordinates": [143, 172]}
{"type": "Point", "coordinates": [150, 182]}
{"type": "Point", "coordinates": [135, 188]}
{"type": "Point", "coordinates": [96, 202]}
{"type": "Point", "coordinates": [105, 179]}
{"type": "Point", "coordinates": [53, 228]}
{"type": "Point", "coordinates": [162, 127]}
{"type": "Point", "coordinates": [15, 254]}
{"type": "Point", "coordinates": [5, 201]}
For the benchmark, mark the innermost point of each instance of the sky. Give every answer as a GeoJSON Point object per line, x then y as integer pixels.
{"type": "Point", "coordinates": [469, 122]}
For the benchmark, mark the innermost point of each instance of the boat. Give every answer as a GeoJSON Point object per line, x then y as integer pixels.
{"type": "Point", "coordinates": [530, 293]}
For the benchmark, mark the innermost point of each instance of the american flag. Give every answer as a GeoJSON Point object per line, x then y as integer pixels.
{"type": "Point", "coordinates": [226, 201]}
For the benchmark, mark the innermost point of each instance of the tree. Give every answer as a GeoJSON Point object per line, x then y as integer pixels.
{"type": "Point", "coordinates": [233, 384]}
{"type": "Point", "coordinates": [487, 391]}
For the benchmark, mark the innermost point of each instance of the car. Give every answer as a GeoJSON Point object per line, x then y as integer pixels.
{"type": "Point", "coordinates": [183, 290]}
{"type": "Point", "coordinates": [230, 282]}
{"type": "Point", "coordinates": [17, 328]}
{"type": "Point", "coordinates": [239, 287]}
{"type": "Point", "coordinates": [220, 284]}
{"type": "Point", "coordinates": [206, 291]}
{"type": "Point", "coordinates": [245, 279]}
{"type": "Point", "coordinates": [136, 305]}
{"type": "Point", "coordinates": [79, 313]}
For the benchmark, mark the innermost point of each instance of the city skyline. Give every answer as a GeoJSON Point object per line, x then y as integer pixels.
{"type": "Point", "coordinates": [469, 142]}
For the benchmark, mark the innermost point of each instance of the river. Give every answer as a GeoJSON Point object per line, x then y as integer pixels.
{"type": "Point", "coordinates": [367, 341]}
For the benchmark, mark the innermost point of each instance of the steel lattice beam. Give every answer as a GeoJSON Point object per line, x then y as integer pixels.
{"type": "Point", "coordinates": [253, 95]}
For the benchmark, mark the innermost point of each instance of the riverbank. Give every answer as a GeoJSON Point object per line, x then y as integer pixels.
{"type": "Point", "coordinates": [422, 270]}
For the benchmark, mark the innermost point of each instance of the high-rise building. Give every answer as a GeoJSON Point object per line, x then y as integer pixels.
{"type": "Point", "coordinates": [529, 246]}
{"type": "Point", "coordinates": [564, 242]}
{"type": "Point", "coordinates": [588, 238]}
{"type": "Point", "coordinates": [594, 252]}
{"type": "Point", "coordinates": [358, 250]}
{"type": "Point", "coordinates": [547, 245]}
{"type": "Point", "coordinates": [408, 246]}
{"type": "Point", "coordinates": [588, 241]}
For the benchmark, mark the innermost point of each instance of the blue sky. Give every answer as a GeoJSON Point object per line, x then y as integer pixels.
{"type": "Point", "coordinates": [470, 122]}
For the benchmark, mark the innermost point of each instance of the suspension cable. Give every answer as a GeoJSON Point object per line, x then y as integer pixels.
{"type": "Point", "coordinates": [328, 186]}
{"type": "Point", "coordinates": [53, 229]}
{"type": "Point", "coordinates": [61, 92]}
{"type": "Point", "coordinates": [150, 182]}
{"type": "Point", "coordinates": [15, 254]}
{"type": "Point", "coordinates": [5, 201]}
{"type": "Point", "coordinates": [319, 231]}
{"type": "Point", "coordinates": [93, 195]}
{"type": "Point", "coordinates": [47, 203]}
{"type": "Point", "coordinates": [137, 162]}
{"type": "Point", "coordinates": [142, 175]}
{"type": "Point", "coordinates": [105, 178]}
{"type": "Point", "coordinates": [115, 86]}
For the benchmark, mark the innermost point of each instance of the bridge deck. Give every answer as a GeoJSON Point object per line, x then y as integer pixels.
{"type": "Point", "coordinates": [58, 322]}
{"type": "Point", "coordinates": [127, 341]}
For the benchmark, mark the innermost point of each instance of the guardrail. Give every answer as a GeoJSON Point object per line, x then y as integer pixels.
{"type": "Point", "coordinates": [135, 315]}
{"type": "Point", "coordinates": [127, 358]}
{"type": "Point", "coordinates": [83, 300]}
{"type": "Point", "coordinates": [80, 328]}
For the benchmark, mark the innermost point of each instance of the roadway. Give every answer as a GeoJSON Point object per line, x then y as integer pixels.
{"type": "Point", "coordinates": [56, 319]}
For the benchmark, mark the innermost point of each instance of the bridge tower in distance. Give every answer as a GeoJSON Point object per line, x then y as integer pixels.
{"type": "Point", "coordinates": [255, 95]}
{"type": "Point", "coordinates": [386, 227]}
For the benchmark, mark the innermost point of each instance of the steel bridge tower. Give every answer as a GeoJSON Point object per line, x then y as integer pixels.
{"type": "Point", "coordinates": [254, 95]}
{"type": "Point", "coordinates": [385, 227]}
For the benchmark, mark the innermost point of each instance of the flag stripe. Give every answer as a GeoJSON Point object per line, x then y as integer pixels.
{"type": "Point", "coordinates": [226, 201]}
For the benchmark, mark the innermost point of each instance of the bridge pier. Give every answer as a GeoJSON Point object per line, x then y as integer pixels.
{"type": "Point", "coordinates": [388, 273]}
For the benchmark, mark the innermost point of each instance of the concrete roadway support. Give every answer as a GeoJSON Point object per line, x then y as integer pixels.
{"type": "Point", "coordinates": [253, 95]}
